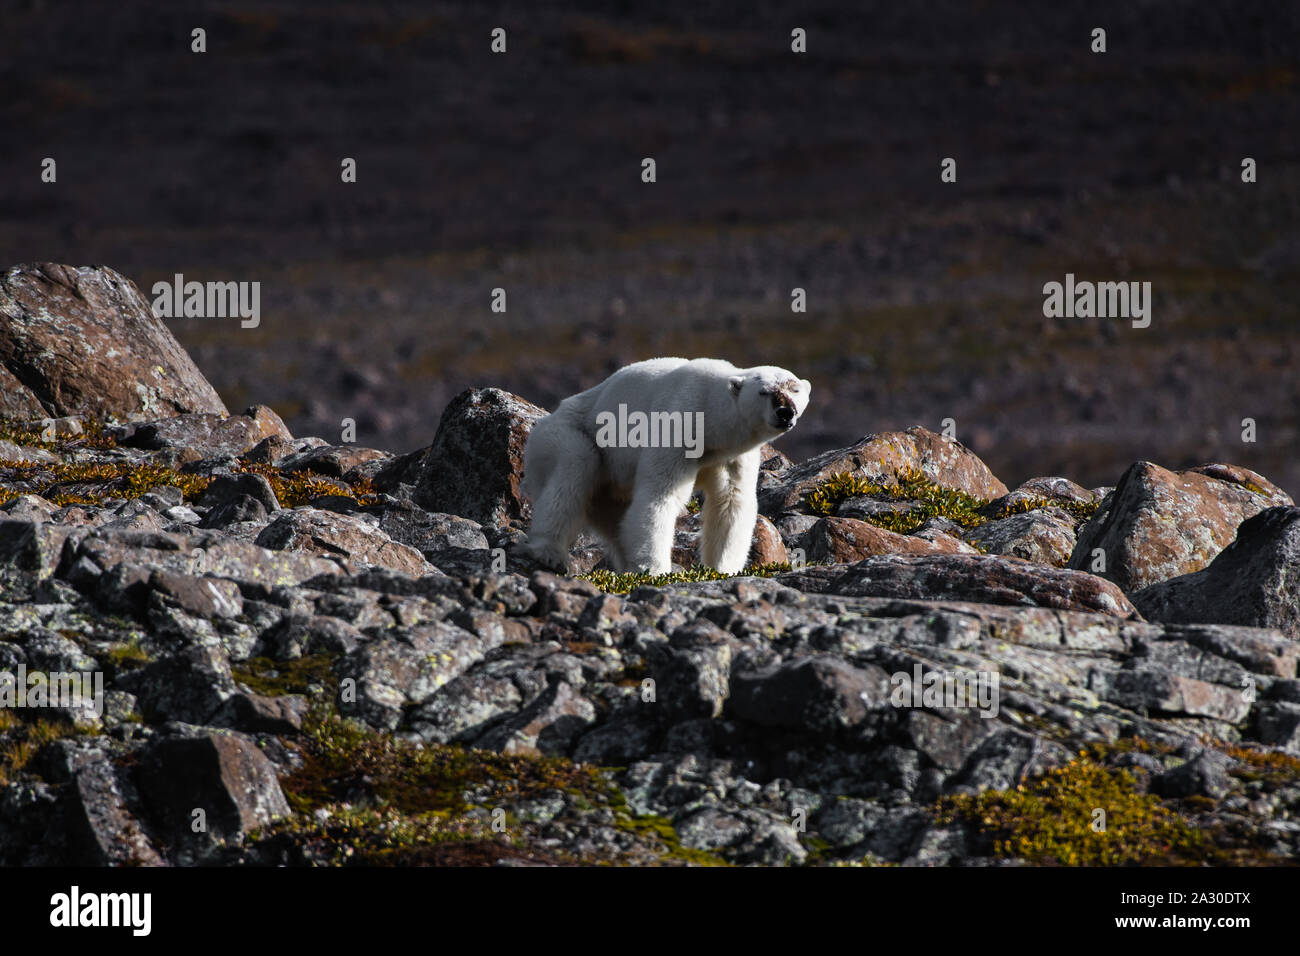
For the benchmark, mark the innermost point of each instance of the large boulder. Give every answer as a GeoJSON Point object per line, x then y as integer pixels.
{"type": "Point", "coordinates": [476, 462]}
{"type": "Point", "coordinates": [1159, 524]}
{"type": "Point", "coordinates": [84, 341]}
{"type": "Point", "coordinates": [881, 458]}
{"type": "Point", "coordinates": [1255, 581]}
{"type": "Point", "coordinates": [224, 775]}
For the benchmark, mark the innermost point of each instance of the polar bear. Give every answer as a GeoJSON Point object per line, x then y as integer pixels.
{"type": "Point", "coordinates": [623, 457]}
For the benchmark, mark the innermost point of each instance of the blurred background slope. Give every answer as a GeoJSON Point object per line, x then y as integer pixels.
{"type": "Point", "coordinates": [775, 171]}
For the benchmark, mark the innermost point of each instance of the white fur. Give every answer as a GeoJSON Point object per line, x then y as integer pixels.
{"type": "Point", "coordinates": [631, 497]}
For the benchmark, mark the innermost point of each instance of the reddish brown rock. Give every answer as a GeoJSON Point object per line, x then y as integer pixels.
{"type": "Point", "coordinates": [768, 548]}
{"type": "Point", "coordinates": [1255, 581]}
{"type": "Point", "coordinates": [846, 540]}
{"type": "Point", "coordinates": [1159, 524]}
{"type": "Point", "coordinates": [84, 341]}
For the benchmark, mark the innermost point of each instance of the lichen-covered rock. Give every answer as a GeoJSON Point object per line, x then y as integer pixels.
{"type": "Point", "coordinates": [959, 577]}
{"type": "Point", "coordinates": [476, 462]}
{"type": "Point", "coordinates": [331, 460]}
{"type": "Point", "coordinates": [33, 545]}
{"type": "Point", "coordinates": [84, 341]}
{"type": "Point", "coordinates": [101, 806]}
{"type": "Point", "coordinates": [1043, 536]}
{"type": "Point", "coordinates": [817, 695]}
{"type": "Point", "coordinates": [312, 531]}
{"type": "Point", "coordinates": [549, 725]}
{"type": "Point", "coordinates": [391, 675]}
{"type": "Point", "coordinates": [1254, 581]}
{"type": "Point", "coordinates": [945, 461]}
{"type": "Point", "coordinates": [1158, 524]}
{"type": "Point", "coordinates": [191, 437]}
{"type": "Point", "coordinates": [1049, 488]}
{"type": "Point", "coordinates": [431, 531]}
{"type": "Point", "coordinates": [206, 552]}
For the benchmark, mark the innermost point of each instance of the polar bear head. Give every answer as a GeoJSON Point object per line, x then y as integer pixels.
{"type": "Point", "coordinates": [771, 395]}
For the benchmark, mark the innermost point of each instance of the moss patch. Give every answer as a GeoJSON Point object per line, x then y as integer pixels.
{"type": "Point", "coordinates": [22, 739]}
{"type": "Point", "coordinates": [273, 678]}
{"type": "Point", "coordinates": [89, 482]}
{"type": "Point", "coordinates": [1049, 820]}
{"type": "Point", "coordinates": [365, 797]}
{"type": "Point", "coordinates": [625, 583]}
{"type": "Point", "coordinates": [930, 500]}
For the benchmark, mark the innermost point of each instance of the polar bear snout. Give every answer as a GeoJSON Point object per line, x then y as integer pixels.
{"type": "Point", "coordinates": [785, 405]}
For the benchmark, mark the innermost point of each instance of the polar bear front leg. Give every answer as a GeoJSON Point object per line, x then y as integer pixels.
{"type": "Point", "coordinates": [647, 530]}
{"type": "Point", "coordinates": [729, 513]}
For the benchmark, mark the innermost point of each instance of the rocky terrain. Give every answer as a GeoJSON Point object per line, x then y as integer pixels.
{"type": "Point", "coordinates": [329, 654]}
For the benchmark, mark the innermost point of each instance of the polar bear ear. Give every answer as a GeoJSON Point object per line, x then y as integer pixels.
{"type": "Point", "coordinates": [736, 383]}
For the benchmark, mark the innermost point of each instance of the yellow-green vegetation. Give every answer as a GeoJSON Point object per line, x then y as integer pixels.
{"type": "Point", "coordinates": [930, 499]}
{"type": "Point", "coordinates": [65, 483]}
{"type": "Point", "coordinates": [624, 583]}
{"type": "Point", "coordinates": [1079, 510]}
{"type": "Point", "coordinates": [1268, 768]}
{"type": "Point", "coordinates": [127, 656]}
{"type": "Point", "coordinates": [275, 678]}
{"type": "Point", "coordinates": [32, 435]}
{"type": "Point", "coordinates": [389, 801]}
{"type": "Point", "coordinates": [22, 739]}
{"type": "Point", "coordinates": [342, 756]}
{"type": "Point", "coordinates": [298, 488]}
{"type": "Point", "coordinates": [1049, 819]}
{"type": "Point", "coordinates": [88, 483]}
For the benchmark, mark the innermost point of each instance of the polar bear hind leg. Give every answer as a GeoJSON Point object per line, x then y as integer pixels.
{"type": "Point", "coordinates": [605, 514]}
{"type": "Point", "coordinates": [561, 468]}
